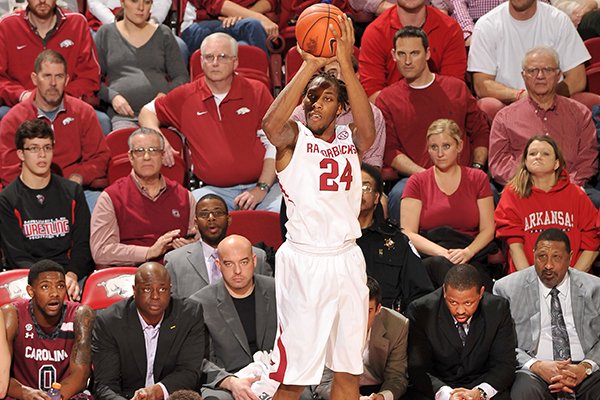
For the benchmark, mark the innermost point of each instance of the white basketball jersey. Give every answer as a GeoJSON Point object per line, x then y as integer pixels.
{"type": "Point", "coordinates": [322, 188]}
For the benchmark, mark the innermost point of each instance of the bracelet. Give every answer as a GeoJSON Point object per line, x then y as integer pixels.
{"type": "Point", "coordinates": [263, 186]}
{"type": "Point", "coordinates": [482, 394]}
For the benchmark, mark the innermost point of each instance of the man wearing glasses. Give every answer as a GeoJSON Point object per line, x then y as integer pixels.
{"type": "Point", "coordinates": [220, 116]}
{"type": "Point", "coordinates": [143, 215]}
{"type": "Point", "coordinates": [44, 216]}
{"type": "Point", "coordinates": [194, 266]}
{"type": "Point", "coordinates": [542, 111]}
{"type": "Point", "coordinates": [81, 152]}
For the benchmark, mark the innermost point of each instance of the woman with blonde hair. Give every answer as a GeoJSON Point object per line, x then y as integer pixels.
{"type": "Point", "coordinates": [447, 210]}
{"type": "Point", "coordinates": [541, 196]}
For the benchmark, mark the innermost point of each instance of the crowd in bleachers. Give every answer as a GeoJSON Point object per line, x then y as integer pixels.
{"type": "Point", "coordinates": [130, 132]}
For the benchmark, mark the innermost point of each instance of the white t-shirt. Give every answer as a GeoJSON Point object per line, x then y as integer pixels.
{"type": "Point", "coordinates": [499, 42]}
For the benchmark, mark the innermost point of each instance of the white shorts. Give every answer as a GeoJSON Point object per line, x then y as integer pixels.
{"type": "Point", "coordinates": [322, 309]}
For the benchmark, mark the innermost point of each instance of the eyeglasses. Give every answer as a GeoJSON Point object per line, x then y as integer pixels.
{"type": "Point", "coordinates": [215, 214]}
{"type": "Point", "coordinates": [141, 151]}
{"type": "Point", "coordinates": [222, 58]}
{"type": "Point", "coordinates": [533, 72]}
{"type": "Point", "coordinates": [367, 189]}
{"type": "Point", "coordinates": [36, 149]}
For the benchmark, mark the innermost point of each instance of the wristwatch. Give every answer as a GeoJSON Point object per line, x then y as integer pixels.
{"type": "Point", "coordinates": [482, 394]}
{"type": "Point", "coordinates": [263, 186]}
{"type": "Point", "coordinates": [588, 368]}
{"type": "Point", "coordinates": [477, 165]}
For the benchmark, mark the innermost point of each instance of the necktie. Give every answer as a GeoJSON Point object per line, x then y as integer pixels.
{"type": "Point", "coordinates": [215, 274]}
{"type": "Point", "coordinates": [560, 337]}
{"type": "Point", "coordinates": [461, 332]}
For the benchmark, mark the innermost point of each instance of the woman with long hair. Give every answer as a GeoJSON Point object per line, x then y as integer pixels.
{"type": "Point", "coordinates": [447, 211]}
{"type": "Point", "coordinates": [541, 196]}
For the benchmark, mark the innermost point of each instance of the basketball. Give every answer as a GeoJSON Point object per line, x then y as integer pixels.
{"type": "Point", "coordinates": [312, 29]}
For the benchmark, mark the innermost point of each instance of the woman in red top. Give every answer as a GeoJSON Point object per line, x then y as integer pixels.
{"type": "Point", "coordinates": [447, 211]}
{"type": "Point", "coordinates": [541, 196]}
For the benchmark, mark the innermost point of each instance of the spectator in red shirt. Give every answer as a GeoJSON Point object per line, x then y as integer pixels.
{"type": "Point", "coordinates": [377, 65]}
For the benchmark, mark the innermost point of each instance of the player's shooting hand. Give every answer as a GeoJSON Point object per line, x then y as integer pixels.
{"type": "Point", "coordinates": [344, 39]}
{"type": "Point", "coordinates": [34, 394]}
{"type": "Point", "coordinates": [316, 62]}
{"type": "Point", "coordinates": [72, 286]}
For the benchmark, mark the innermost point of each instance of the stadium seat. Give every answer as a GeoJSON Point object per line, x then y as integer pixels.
{"type": "Point", "coordinates": [257, 226]}
{"type": "Point", "coordinates": [117, 140]}
{"type": "Point", "coordinates": [13, 285]}
{"type": "Point", "coordinates": [252, 63]}
{"type": "Point", "coordinates": [593, 79]}
{"type": "Point", "coordinates": [593, 46]}
{"type": "Point", "coordinates": [120, 166]}
{"type": "Point", "coordinates": [107, 286]}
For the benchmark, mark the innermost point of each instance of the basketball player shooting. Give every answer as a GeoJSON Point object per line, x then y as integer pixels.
{"type": "Point", "coordinates": [322, 298]}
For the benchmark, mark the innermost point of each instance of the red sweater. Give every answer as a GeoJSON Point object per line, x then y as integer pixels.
{"type": "Point", "coordinates": [565, 207]}
{"type": "Point", "coordinates": [136, 213]}
{"type": "Point", "coordinates": [79, 144]}
{"type": "Point", "coordinates": [378, 68]}
{"type": "Point", "coordinates": [224, 146]}
{"type": "Point", "coordinates": [20, 45]}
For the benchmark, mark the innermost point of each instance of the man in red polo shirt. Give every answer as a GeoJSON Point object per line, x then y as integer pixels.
{"type": "Point", "coordinates": [376, 64]}
{"type": "Point", "coordinates": [220, 115]}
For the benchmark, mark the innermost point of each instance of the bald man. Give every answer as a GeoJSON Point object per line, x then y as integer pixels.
{"type": "Point", "coordinates": [150, 345]}
{"type": "Point", "coordinates": [240, 318]}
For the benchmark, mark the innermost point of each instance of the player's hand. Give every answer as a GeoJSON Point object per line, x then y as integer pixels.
{"type": "Point", "coordinates": [121, 106]}
{"type": "Point", "coordinates": [162, 244]}
{"type": "Point", "coordinates": [460, 256]}
{"type": "Point", "coordinates": [344, 39]}
{"type": "Point", "coordinates": [240, 388]}
{"type": "Point", "coordinates": [228, 22]}
{"type": "Point", "coordinates": [169, 154]}
{"type": "Point", "coordinates": [316, 62]}
{"type": "Point", "coordinates": [249, 199]}
{"type": "Point", "coordinates": [34, 394]}
{"type": "Point", "coordinates": [72, 286]}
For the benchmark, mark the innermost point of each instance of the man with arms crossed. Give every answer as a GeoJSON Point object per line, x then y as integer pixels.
{"type": "Point", "coordinates": [322, 298]}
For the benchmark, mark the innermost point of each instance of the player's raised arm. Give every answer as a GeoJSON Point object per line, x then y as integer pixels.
{"type": "Point", "coordinates": [280, 130]}
{"type": "Point", "coordinates": [363, 127]}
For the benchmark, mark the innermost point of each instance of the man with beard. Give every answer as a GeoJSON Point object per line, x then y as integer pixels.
{"type": "Point", "coordinates": [193, 266]}
{"type": "Point", "coordinates": [50, 339]}
{"type": "Point", "coordinates": [80, 150]}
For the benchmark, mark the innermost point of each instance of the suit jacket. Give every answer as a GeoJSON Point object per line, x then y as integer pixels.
{"type": "Point", "coordinates": [521, 289]}
{"type": "Point", "coordinates": [119, 353]}
{"type": "Point", "coordinates": [387, 355]}
{"type": "Point", "coordinates": [229, 348]}
{"type": "Point", "coordinates": [188, 270]}
{"type": "Point", "coordinates": [436, 356]}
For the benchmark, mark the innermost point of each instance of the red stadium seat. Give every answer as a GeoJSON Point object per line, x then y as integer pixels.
{"type": "Point", "coordinates": [107, 286]}
{"type": "Point", "coordinates": [252, 63]}
{"type": "Point", "coordinates": [120, 166]}
{"type": "Point", "coordinates": [593, 46]}
{"type": "Point", "coordinates": [257, 226]}
{"type": "Point", "coordinates": [593, 79]}
{"type": "Point", "coordinates": [117, 140]}
{"type": "Point", "coordinates": [13, 285]}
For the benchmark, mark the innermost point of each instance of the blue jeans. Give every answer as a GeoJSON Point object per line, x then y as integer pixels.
{"type": "Point", "coordinates": [271, 202]}
{"type": "Point", "coordinates": [91, 197]}
{"type": "Point", "coordinates": [248, 30]}
{"type": "Point", "coordinates": [3, 111]}
{"type": "Point", "coordinates": [394, 198]}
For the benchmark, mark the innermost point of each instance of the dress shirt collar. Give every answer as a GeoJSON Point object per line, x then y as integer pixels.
{"type": "Point", "coordinates": [562, 287]}
{"type": "Point", "coordinates": [145, 325]}
{"type": "Point", "coordinates": [144, 190]}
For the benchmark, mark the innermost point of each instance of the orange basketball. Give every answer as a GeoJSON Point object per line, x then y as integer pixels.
{"type": "Point", "coordinates": [312, 29]}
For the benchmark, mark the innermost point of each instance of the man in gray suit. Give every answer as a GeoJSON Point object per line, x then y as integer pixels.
{"type": "Point", "coordinates": [240, 318]}
{"type": "Point", "coordinates": [193, 266]}
{"type": "Point", "coordinates": [557, 318]}
{"type": "Point", "coordinates": [384, 376]}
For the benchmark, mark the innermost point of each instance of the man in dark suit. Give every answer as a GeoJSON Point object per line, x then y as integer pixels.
{"type": "Point", "coordinates": [240, 318]}
{"type": "Point", "coordinates": [461, 341]}
{"type": "Point", "coordinates": [193, 266]}
{"type": "Point", "coordinates": [548, 361]}
{"type": "Point", "coordinates": [384, 376]}
{"type": "Point", "coordinates": [150, 345]}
